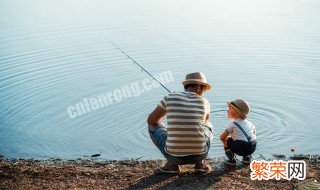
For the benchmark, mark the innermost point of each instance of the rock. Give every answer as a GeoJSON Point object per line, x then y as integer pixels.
{"type": "Point", "coordinates": [95, 155]}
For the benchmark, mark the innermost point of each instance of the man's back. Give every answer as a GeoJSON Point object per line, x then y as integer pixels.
{"type": "Point", "coordinates": [186, 115]}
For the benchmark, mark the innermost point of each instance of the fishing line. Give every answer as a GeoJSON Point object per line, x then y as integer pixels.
{"type": "Point", "coordinates": [139, 65]}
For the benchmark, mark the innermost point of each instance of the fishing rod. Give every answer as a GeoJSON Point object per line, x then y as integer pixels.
{"type": "Point", "coordinates": [139, 65]}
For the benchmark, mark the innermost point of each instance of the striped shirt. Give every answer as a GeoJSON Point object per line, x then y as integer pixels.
{"type": "Point", "coordinates": [186, 114]}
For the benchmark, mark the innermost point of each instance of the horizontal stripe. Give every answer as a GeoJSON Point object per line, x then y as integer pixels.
{"type": "Point", "coordinates": [178, 110]}
{"type": "Point", "coordinates": [184, 153]}
{"type": "Point", "coordinates": [161, 106]}
{"type": "Point", "coordinates": [185, 129]}
{"type": "Point", "coordinates": [186, 126]}
{"type": "Point", "coordinates": [163, 103]}
{"type": "Point", "coordinates": [185, 105]}
{"type": "Point", "coordinates": [186, 141]}
{"type": "Point", "coordinates": [185, 147]}
{"type": "Point", "coordinates": [200, 138]}
{"type": "Point", "coordinates": [184, 96]}
{"type": "Point", "coordinates": [203, 143]}
{"type": "Point", "coordinates": [184, 114]}
{"type": "Point", "coordinates": [201, 120]}
{"type": "Point", "coordinates": [186, 110]}
{"type": "Point", "coordinates": [174, 109]}
{"type": "Point", "coordinates": [186, 150]}
{"type": "Point", "coordinates": [185, 117]}
{"type": "Point", "coordinates": [186, 132]}
{"type": "Point", "coordinates": [183, 123]}
{"type": "Point", "coordinates": [186, 99]}
{"type": "Point", "coordinates": [192, 135]}
{"type": "Point", "coordinates": [180, 99]}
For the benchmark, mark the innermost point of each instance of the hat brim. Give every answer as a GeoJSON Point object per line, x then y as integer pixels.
{"type": "Point", "coordinates": [207, 85]}
{"type": "Point", "coordinates": [237, 110]}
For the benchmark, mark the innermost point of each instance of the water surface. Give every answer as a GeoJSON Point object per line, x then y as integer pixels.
{"type": "Point", "coordinates": [53, 54]}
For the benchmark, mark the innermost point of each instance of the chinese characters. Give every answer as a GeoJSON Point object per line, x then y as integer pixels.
{"type": "Point", "coordinates": [278, 169]}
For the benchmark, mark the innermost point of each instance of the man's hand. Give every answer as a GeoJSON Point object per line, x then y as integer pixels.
{"type": "Point", "coordinates": [156, 116]}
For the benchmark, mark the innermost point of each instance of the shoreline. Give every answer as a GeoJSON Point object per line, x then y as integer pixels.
{"type": "Point", "coordinates": [134, 174]}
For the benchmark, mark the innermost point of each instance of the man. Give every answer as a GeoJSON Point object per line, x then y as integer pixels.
{"type": "Point", "coordinates": [186, 140]}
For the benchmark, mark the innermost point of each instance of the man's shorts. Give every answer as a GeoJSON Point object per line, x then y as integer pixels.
{"type": "Point", "coordinates": [158, 134]}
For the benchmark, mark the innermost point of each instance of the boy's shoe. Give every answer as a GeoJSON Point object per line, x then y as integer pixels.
{"type": "Point", "coordinates": [246, 160]}
{"type": "Point", "coordinates": [170, 168]}
{"type": "Point", "coordinates": [229, 153]}
{"type": "Point", "coordinates": [232, 162]}
{"type": "Point", "coordinates": [202, 167]}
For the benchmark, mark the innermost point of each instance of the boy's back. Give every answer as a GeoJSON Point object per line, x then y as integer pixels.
{"type": "Point", "coordinates": [236, 132]}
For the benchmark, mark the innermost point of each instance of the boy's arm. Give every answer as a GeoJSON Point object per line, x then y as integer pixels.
{"type": "Point", "coordinates": [207, 117]}
{"type": "Point", "coordinates": [208, 110]}
{"type": "Point", "coordinates": [223, 137]}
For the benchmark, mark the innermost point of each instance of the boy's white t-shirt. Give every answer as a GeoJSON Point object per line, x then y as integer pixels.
{"type": "Point", "coordinates": [237, 134]}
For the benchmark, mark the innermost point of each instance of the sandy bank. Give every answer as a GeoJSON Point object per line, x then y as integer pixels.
{"type": "Point", "coordinates": [131, 174]}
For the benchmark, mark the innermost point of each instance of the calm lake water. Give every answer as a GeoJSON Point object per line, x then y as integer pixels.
{"type": "Point", "coordinates": [54, 54]}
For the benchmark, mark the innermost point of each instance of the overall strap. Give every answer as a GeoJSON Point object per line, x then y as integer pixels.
{"type": "Point", "coordinates": [245, 134]}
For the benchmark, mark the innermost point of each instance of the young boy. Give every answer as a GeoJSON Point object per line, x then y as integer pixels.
{"type": "Point", "coordinates": [240, 136]}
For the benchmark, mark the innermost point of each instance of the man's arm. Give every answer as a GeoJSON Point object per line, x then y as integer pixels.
{"type": "Point", "coordinates": [156, 116]}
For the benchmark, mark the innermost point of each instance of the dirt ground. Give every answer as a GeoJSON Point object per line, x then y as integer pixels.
{"type": "Point", "coordinates": [132, 174]}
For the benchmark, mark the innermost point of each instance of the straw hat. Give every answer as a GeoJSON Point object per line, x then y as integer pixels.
{"type": "Point", "coordinates": [197, 78]}
{"type": "Point", "coordinates": [241, 106]}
